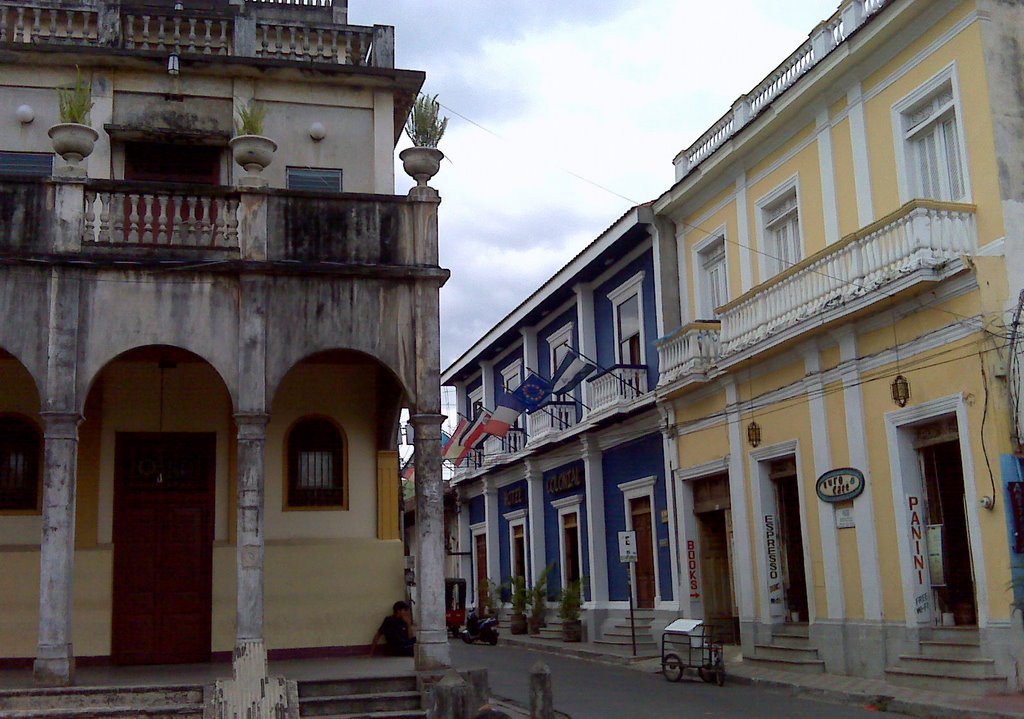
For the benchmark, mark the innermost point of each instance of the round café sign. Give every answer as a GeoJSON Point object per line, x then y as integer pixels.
{"type": "Point", "coordinates": [839, 485]}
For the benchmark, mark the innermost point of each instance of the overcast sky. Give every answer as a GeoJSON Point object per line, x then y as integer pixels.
{"type": "Point", "coordinates": [554, 89]}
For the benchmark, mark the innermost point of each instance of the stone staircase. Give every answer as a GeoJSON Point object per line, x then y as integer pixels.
{"type": "Point", "coordinates": [362, 698]}
{"type": "Point", "coordinates": [615, 632]}
{"type": "Point", "coordinates": [164, 702]}
{"type": "Point", "coordinates": [551, 631]}
{"type": "Point", "coordinates": [949, 660]}
{"type": "Point", "coordinates": [789, 650]}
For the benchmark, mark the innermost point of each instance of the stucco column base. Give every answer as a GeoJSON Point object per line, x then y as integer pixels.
{"type": "Point", "coordinates": [54, 667]}
{"type": "Point", "coordinates": [432, 650]}
{"type": "Point", "coordinates": [249, 607]}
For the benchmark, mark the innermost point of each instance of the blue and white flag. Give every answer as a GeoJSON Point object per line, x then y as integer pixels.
{"type": "Point", "coordinates": [572, 370]}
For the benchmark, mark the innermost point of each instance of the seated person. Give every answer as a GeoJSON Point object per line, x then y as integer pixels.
{"type": "Point", "coordinates": [398, 632]}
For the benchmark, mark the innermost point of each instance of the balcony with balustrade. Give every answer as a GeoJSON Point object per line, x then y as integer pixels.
{"type": "Point", "coordinates": [922, 243]}
{"type": "Point", "coordinates": [104, 222]}
{"type": "Point", "coordinates": [618, 389]}
{"type": "Point", "coordinates": [300, 30]}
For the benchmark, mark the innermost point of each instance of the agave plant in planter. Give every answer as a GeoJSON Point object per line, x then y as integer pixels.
{"type": "Point", "coordinates": [72, 138]}
{"type": "Point", "coordinates": [425, 127]}
{"type": "Point", "coordinates": [249, 147]}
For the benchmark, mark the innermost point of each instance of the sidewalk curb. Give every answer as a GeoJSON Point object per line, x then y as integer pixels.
{"type": "Point", "coordinates": [884, 702]}
{"type": "Point", "coordinates": [577, 652]}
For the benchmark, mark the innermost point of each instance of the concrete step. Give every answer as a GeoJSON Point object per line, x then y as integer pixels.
{"type": "Point", "coordinates": [359, 704]}
{"type": "Point", "coordinates": [803, 666]}
{"type": "Point", "coordinates": [960, 668]}
{"type": "Point", "coordinates": [781, 651]}
{"type": "Point", "coordinates": [950, 650]}
{"type": "Point", "coordinates": [151, 712]}
{"type": "Point", "coordinates": [101, 697]}
{"type": "Point", "coordinates": [348, 687]}
{"type": "Point", "coordinates": [791, 630]}
{"type": "Point", "coordinates": [398, 714]}
{"type": "Point", "coordinates": [791, 641]}
{"type": "Point", "coordinates": [953, 635]}
{"type": "Point", "coordinates": [933, 681]}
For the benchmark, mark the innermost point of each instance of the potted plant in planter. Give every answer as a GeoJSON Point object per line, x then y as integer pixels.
{"type": "Point", "coordinates": [490, 598]}
{"type": "Point", "coordinates": [249, 147]}
{"type": "Point", "coordinates": [539, 601]}
{"type": "Point", "coordinates": [425, 127]}
{"type": "Point", "coordinates": [570, 602]}
{"type": "Point", "coordinates": [72, 138]}
{"type": "Point", "coordinates": [520, 600]}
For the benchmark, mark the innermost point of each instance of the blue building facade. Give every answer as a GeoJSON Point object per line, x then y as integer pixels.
{"type": "Point", "coordinates": [560, 487]}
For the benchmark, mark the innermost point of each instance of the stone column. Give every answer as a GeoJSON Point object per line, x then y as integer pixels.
{"type": "Point", "coordinates": [252, 432]}
{"type": "Point", "coordinates": [535, 521]}
{"type": "Point", "coordinates": [431, 635]}
{"type": "Point", "coordinates": [55, 663]}
{"type": "Point", "coordinates": [596, 541]}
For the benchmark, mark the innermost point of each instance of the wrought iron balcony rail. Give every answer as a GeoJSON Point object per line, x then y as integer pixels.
{"type": "Point", "coordinates": [303, 30]}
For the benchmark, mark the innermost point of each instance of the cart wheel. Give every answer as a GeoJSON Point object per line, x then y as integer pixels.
{"type": "Point", "coordinates": [672, 667]}
{"type": "Point", "coordinates": [719, 668]}
{"type": "Point", "coordinates": [706, 675]}
{"type": "Point", "coordinates": [467, 638]}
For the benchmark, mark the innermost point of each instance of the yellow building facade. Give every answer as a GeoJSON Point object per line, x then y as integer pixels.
{"type": "Point", "coordinates": [837, 389]}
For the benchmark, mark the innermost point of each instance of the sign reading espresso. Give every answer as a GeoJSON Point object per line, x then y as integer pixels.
{"type": "Point", "coordinates": [571, 478]}
{"type": "Point", "coordinates": [840, 485]}
{"type": "Point", "coordinates": [515, 497]}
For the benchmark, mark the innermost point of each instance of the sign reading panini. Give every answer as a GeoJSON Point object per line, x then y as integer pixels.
{"type": "Point", "coordinates": [839, 485]}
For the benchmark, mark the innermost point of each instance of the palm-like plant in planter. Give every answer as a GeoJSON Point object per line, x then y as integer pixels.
{"type": "Point", "coordinates": [539, 601]}
{"type": "Point", "coordinates": [249, 147]}
{"type": "Point", "coordinates": [570, 604]}
{"type": "Point", "coordinates": [520, 601]}
{"type": "Point", "coordinates": [425, 127]}
{"type": "Point", "coordinates": [72, 138]}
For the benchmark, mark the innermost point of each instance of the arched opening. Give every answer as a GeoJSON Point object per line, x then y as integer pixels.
{"type": "Point", "coordinates": [156, 451]}
{"type": "Point", "coordinates": [333, 559]}
{"type": "Point", "coordinates": [20, 519]}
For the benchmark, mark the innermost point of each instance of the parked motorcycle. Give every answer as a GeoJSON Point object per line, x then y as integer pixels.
{"type": "Point", "coordinates": [482, 630]}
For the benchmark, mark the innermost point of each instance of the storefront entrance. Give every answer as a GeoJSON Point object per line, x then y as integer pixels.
{"type": "Point", "coordinates": [714, 524]}
{"type": "Point", "coordinates": [791, 543]}
{"type": "Point", "coordinates": [482, 582]}
{"type": "Point", "coordinates": [947, 540]}
{"type": "Point", "coordinates": [163, 547]}
{"type": "Point", "coordinates": [640, 513]}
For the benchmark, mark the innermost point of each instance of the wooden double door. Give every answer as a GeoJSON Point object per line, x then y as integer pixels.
{"type": "Point", "coordinates": [163, 547]}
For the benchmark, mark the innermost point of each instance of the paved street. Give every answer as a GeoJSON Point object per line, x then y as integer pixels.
{"type": "Point", "coordinates": [590, 690]}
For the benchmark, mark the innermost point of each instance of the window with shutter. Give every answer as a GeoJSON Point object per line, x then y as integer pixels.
{"type": "Point", "coordinates": [782, 232]}
{"type": "Point", "coordinates": [26, 164]}
{"type": "Point", "coordinates": [316, 465]}
{"type": "Point", "coordinates": [713, 283]}
{"type": "Point", "coordinates": [932, 137]}
{"type": "Point", "coordinates": [314, 179]}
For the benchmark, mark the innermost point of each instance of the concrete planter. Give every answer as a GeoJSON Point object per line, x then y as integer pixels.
{"type": "Point", "coordinates": [72, 141]}
{"type": "Point", "coordinates": [254, 153]}
{"type": "Point", "coordinates": [421, 163]}
{"type": "Point", "coordinates": [572, 630]}
{"type": "Point", "coordinates": [517, 623]}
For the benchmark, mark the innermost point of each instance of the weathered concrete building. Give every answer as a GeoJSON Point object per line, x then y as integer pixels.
{"type": "Point", "coordinates": [201, 371]}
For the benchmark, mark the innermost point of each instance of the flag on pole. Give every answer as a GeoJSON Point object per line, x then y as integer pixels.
{"type": "Point", "coordinates": [453, 448]}
{"type": "Point", "coordinates": [473, 435]}
{"type": "Point", "coordinates": [504, 416]}
{"type": "Point", "coordinates": [533, 392]}
{"type": "Point", "coordinates": [408, 472]}
{"type": "Point", "coordinates": [572, 370]}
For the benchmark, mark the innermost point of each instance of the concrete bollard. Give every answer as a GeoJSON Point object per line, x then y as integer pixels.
{"type": "Point", "coordinates": [450, 698]}
{"type": "Point", "coordinates": [542, 705]}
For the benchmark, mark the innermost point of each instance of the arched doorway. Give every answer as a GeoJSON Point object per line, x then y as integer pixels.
{"type": "Point", "coordinates": [153, 469]}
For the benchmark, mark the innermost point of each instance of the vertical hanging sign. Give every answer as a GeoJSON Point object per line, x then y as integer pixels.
{"type": "Point", "coordinates": [691, 568]}
{"type": "Point", "coordinates": [920, 580]}
{"type": "Point", "coordinates": [776, 607]}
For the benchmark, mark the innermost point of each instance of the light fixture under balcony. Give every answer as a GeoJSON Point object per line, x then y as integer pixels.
{"type": "Point", "coordinates": [900, 388]}
{"type": "Point", "coordinates": [753, 434]}
{"type": "Point", "coordinates": [173, 65]}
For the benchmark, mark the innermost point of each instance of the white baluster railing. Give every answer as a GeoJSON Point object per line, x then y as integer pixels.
{"type": "Point", "coordinates": [189, 32]}
{"type": "Point", "coordinates": [552, 418]}
{"type": "Point", "coordinates": [922, 235]}
{"type": "Point", "coordinates": [22, 22]}
{"type": "Point", "coordinates": [161, 218]}
{"type": "Point", "coordinates": [691, 351]}
{"type": "Point", "coordinates": [621, 384]}
{"type": "Point", "coordinates": [317, 43]}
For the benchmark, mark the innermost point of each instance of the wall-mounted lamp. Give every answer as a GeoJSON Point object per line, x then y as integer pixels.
{"type": "Point", "coordinates": [900, 389]}
{"type": "Point", "coordinates": [317, 131]}
{"type": "Point", "coordinates": [173, 65]}
{"type": "Point", "coordinates": [753, 434]}
{"type": "Point", "coordinates": [179, 6]}
{"type": "Point", "coordinates": [25, 114]}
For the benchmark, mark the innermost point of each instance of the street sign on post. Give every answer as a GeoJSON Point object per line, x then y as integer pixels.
{"type": "Point", "coordinates": [627, 546]}
{"type": "Point", "coordinates": [627, 553]}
